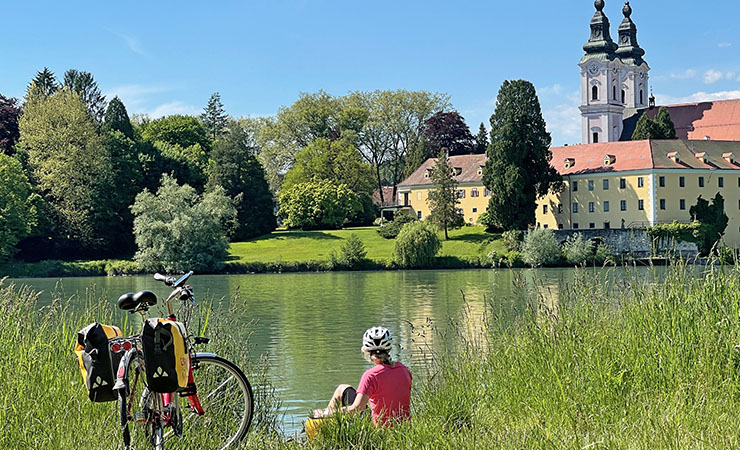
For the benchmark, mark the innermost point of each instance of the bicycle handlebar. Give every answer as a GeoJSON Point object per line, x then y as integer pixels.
{"type": "Point", "coordinates": [169, 281]}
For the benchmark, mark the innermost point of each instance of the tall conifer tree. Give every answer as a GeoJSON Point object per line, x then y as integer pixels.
{"type": "Point", "coordinates": [481, 140]}
{"type": "Point", "coordinates": [442, 198]}
{"type": "Point", "coordinates": [214, 116]}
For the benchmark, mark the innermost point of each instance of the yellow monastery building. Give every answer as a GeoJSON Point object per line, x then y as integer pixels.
{"type": "Point", "coordinates": [612, 182]}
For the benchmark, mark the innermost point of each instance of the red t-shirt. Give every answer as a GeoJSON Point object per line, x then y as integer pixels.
{"type": "Point", "coordinates": [389, 389]}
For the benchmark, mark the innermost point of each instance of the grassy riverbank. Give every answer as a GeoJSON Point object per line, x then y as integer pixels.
{"type": "Point", "coordinates": [642, 363]}
{"type": "Point", "coordinates": [290, 251]}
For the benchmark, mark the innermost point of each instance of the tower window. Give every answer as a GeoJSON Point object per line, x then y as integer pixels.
{"type": "Point", "coordinates": [641, 101]}
{"type": "Point", "coordinates": [624, 96]}
{"type": "Point", "coordinates": [595, 93]}
{"type": "Point", "coordinates": [596, 137]}
{"type": "Point", "coordinates": [614, 92]}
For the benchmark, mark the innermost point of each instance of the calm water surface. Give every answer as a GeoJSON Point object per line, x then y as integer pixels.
{"type": "Point", "coordinates": [310, 325]}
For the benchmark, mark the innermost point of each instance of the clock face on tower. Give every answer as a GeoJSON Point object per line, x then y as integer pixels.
{"type": "Point", "coordinates": [594, 69]}
{"type": "Point", "coordinates": [625, 39]}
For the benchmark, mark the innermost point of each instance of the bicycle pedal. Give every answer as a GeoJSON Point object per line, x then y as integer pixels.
{"type": "Point", "coordinates": [201, 340]}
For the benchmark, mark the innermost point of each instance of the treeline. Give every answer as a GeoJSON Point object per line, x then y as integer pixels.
{"type": "Point", "coordinates": [74, 164]}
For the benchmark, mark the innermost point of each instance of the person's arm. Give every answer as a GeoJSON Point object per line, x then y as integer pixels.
{"type": "Point", "coordinates": [359, 404]}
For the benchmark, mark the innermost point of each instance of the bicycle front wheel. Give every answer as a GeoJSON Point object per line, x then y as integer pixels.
{"type": "Point", "coordinates": [226, 397]}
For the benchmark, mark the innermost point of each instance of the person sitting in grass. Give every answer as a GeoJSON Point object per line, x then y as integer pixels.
{"type": "Point", "coordinates": [386, 386]}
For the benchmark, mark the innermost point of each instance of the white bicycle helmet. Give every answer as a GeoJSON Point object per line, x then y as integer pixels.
{"type": "Point", "coordinates": [377, 339]}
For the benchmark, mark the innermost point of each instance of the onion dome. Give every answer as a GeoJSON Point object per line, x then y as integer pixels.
{"type": "Point", "coordinates": [600, 44]}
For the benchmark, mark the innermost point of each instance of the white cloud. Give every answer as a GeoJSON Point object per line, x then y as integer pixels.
{"type": "Point", "coordinates": [685, 75]}
{"type": "Point", "coordinates": [713, 76]}
{"type": "Point", "coordinates": [560, 110]}
{"type": "Point", "coordinates": [697, 97]}
{"type": "Point", "coordinates": [135, 96]}
{"type": "Point", "coordinates": [132, 43]}
{"type": "Point", "coordinates": [724, 44]}
{"type": "Point", "coordinates": [176, 107]}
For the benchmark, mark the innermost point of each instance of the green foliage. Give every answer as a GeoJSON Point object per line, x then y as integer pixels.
{"type": "Point", "coordinates": [513, 239]}
{"type": "Point", "coordinates": [577, 250]}
{"type": "Point", "coordinates": [671, 233]}
{"type": "Point", "coordinates": [116, 118]}
{"type": "Point", "coordinates": [392, 228]}
{"type": "Point", "coordinates": [486, 219]}
{"type": "Point", "coordinates": [214, 116]}
{"type": "Point", "coordinates": [84, 85]}
{"type": "Point", "coordinates": [239, 173]}
{"type": "Point", "coordinates": [352, 253]}
{"type": "Point", "coordinates": [189, 165]}
{"type": "Point", "coordinates": [416, 246]}
{"type": "Point", "coordinates": [518, 168]}
{"type": "Point", "coordinates": [177, 229]}
{"type": "Point", "coordinates": [17, 206]}
{"type": "Point", "coordinates": [447, 130]}
{"type": "Point", "coordinates": [712, 222]}
{"type": "Point", "coordinates": [71, 168]}
{"type": "Point", "coordinates": [442, 198]}
{"type": "Point", "coordinates": [43, 84]}
{"type": "Point", "coordinates": [10, 112]}
{"type": "Point", "coordinates": [660, 128]}
{"type": "Point", "coordinates": [540, 248]}
{"type": "Point", "coordinates": [317, 205]}
{"type": "Point", "coordinates": [177, 130]}
{"type": "Point", "coordinates": [481, 140]}
{"type": "Point", "coordinates": [602, 254]}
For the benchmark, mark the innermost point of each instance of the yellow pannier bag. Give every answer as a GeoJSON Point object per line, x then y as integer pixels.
{"type": "Point", "coordinates": [97, 365]}
{"type": "Point", "coordinates": [165, 355]}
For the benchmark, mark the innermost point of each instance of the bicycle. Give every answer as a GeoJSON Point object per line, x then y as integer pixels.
{"type": "Point", "coordinates": [216, 406]}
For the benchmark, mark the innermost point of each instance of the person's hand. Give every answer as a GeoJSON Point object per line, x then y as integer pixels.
{"type": "Point", "coordinates": [319, 413]}
{"type": "Point", "coordinates": [737, 347]}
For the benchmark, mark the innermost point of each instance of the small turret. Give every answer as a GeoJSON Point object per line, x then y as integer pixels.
{"type": "Point", "coordinates": [629, 50]}
{"type": "Point", "coordinates": [600, 44]}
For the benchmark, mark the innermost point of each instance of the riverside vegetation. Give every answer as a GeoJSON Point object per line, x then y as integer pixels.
{"type": "Point", "coordinates": [627, 362]}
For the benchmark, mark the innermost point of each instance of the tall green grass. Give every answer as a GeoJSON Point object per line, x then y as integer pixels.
{"type": "Point", "coordinates": [619, 362]}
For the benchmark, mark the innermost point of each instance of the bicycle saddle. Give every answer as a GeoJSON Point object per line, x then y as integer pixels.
{"type": "Point", "coordinates": [131, 301]}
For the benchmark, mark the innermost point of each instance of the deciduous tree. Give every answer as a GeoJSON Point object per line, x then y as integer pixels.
{"type": "Point", "coordinates": [518, 168]}
{"type": "Point", "coordinates": [17, 206]}
{"type": "Point", "coordinates": [712, 222]}
{"type": "Point", "coordinates": [10, 113]}
{"type": "Point", "coordinates": [442, 199]}
{"type": "Point", "coordinates": [447, 130]}
{"type": "Point", "coordinates": [184, 131]}
{"type": "Point", "coordinates": [318, 204]}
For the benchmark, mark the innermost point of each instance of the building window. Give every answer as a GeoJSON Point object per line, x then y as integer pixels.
{"type": "Point", "coordinates": [461, 193]}
{"type": "Point", "coordinates": [475, 210]}
{"type": "Point", "coordinates": [662, 203]}
{"type": "Point", "coordinates": [721, 181]}
{"type": "Point", "coordinates": [682, 204]}
{"type": "Point", "coordinates": [605, 184]}
{"type": "Point", "coordinates": [575, 225]}
{"type": "Point", "coordinates": [544, 209]}
{"type": "Point", "coordinates": [418, 215]}
{"type": "Point", "coordinates": [474, 192]}
{"type": "Point", "coordinates": [460, 211]}
{"type": "Point", "coordinates": [590, 185]}
{"type": "Point", "coordinates": [624, 96]}
{"type": "Point", "coordinates": [591, 207]}
{"type": "Point", "coordinates": [544, 226]}
{"type": "Point", "coordinates": [596, 137]}
{"type": "Point", "coordinates": [614, 92]}
{"type": "Point", "coordinates": [701, 181]}
{"type": "Point", "coordinates": [661, 181]}
{"type": "Point", "coordinates": [641, 97]}
{"type": "Point", "coordinates": [738, 181]}
{"type": "Point", "coordinates": [591, 225]}
{"type": "Point", "coordinates": [575, 207]}
{"type": "Point", "coordinates": [641, 205]}
{"type": "Point", "coordinates": [622, 183]}
{"type": "Point", "coordinates": [560, 208]}
{"type": "Point", "coordinates": [575, 185]}
{"type": "Point", "coordinates": [607, 225]}
{"type": "Point", "coordinates": [560, 226]}
{"type": "Point", "coordinates": [682, 182]}
{"type": "Point", "coordinates": [595, 93]}
{"type": "Point", "coordinates": [640, 182]}
{"type": "Point", "coordinates": [623, 205]}
{"type": "Point", "coordinates": [486, 192]}
{"type": "Point", "coordinates": [606, 206]}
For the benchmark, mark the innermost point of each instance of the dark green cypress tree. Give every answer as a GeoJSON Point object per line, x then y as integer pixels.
{"type": "Point", "coordinates": [665, 125]}
{"type": "Point", "coordinates": [481, 140]}
{"type": "Point", "coordinates": [116, 118]}
{"type": "Point", "coordinates": [646, 129]}
{"type": "Point", "coordinates": [518, 168]}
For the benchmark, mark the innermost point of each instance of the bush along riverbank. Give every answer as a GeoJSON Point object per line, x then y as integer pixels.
{"type": "Point", "coordinates": [618, 362]}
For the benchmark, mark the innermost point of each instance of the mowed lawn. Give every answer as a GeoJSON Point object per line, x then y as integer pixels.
{"type": "Point", "coordinates": [298, 246]}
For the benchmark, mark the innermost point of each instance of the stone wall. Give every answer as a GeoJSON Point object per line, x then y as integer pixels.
{"type": "Point", "coordinates": [632, 242]}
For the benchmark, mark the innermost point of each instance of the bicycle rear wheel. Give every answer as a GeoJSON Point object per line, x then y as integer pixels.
{"type": "Point", "coordinates": [226, 397]}
{"type": "Point", "coordinates": [140, 409]}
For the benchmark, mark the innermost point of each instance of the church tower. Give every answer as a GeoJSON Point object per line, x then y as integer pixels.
{"type": "Point", "coordinates": [601, 108]}
{"type": "Point", "coordinates": [635, 78]}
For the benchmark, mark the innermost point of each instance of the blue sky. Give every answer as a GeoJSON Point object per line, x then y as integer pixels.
{"type": "Point", "coordinates": [168, 57]}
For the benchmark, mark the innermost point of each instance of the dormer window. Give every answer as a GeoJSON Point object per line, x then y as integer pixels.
{"type": "Point", "coordinates": [457, 170]}
{"type": "Point", "coordinates": [673, 156]}
{"type": "Point", "coordinates": [701, 156]}
{"type": "Point", "coordinates": [480, 170]}
{"type": "Point", "coordinates": [569, 162]}
{"type": "Point", "coordinates": [427, 173]}
{"type": "Point", "coordinates": [729, 157]}
{"type": "Point", "coordinates": [609, 160]}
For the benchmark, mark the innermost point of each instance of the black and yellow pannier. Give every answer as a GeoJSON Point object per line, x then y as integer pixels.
{"type": "Point", "coordinates": [97, 364]}
{"type": "Point", "coordinates": [165, 355]}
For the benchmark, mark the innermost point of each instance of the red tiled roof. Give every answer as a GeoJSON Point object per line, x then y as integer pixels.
{"type": "Point", "coordinates": [388, 199]}
{"type": "Point", "coordinates": [468, 165]}
{"type": "Point", "coordinates": [719, 120]}
{"type": "Point", "coordinates": [647, 154]}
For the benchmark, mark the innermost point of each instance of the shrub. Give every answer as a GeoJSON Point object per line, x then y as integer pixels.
{"type": "Point", "coordinates": [317, 205]}
{"type": "Point", "coordinates": [416, 245]}
{"type": "Point", "coordinates": [577, 250]}
{"type": "Point", "coordinates": [513, 239]}
{"type": "Point", "coordinates": [602, 254]}
{"type": "Point", "coordinates": [178, 229]}
{"type": "Point", "coordinates": [540, 248]}
{"type": "Point", "coordinates": [391, 230]}
{"type": "Point", "coordinates": [351, 255]}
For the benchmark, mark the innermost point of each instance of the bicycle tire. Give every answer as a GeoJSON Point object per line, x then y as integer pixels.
{"type": "Point", "coordinates": [226, 396]}
{"type": "Point", "coordinates": [138, 428]}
